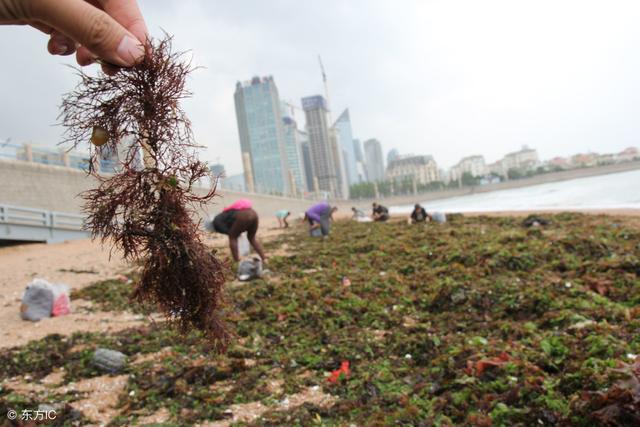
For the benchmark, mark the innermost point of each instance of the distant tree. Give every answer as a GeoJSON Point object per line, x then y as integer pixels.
{"type": "Point", "coordinates": [514, 173]}
{"type": "Point", "coordinates": [431, 186]}
{"type": "Point", "coordinates": [384, 188]}
{"type": "Point", "coordinates": [405, 186]}
{"type": "Point", "coordinates": [363, 190]}
{"type": "Point", "coordinates": [469, 180]}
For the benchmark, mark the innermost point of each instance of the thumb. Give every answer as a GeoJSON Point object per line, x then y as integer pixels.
{"type": "Point", "coordinates": [94, 29]}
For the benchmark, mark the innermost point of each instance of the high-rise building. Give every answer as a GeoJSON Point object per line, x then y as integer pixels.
{"type": "Point", "coordinates": [392, 155]}
{"type": "Point", "coordinates": [374, 160]}
{"type": "Point", "coordinates": [234, 182]}
{"type": "Point", "coordinates": [323, 152]}
{"type": "Point", "coordinates": [339, 156]}
{"type": "Point", "coordinates": [293, 150]}
{"type": "Point", "coordinates": [361, 167]}
{"type": "Point", "coordinates": [345, 138]}
{"type": "Point", "coordinates": [306, 160]}
{"type": "Point", "coordinates": [262, 138]}
{"type": "Point", "coordinates": [217, 169]}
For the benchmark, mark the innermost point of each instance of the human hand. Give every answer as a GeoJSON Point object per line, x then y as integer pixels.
{"type": "Point", "coordinates": [112, 30]}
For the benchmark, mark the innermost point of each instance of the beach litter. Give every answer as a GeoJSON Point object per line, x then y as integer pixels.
{"type": "Point", "coordinates": [42, 299]}
{"type": "Point", "coordinates": [249, 269]}
{"type": "Point", "coordinates": [340, 374]}
{"type": "Point", "coordinates": [439, 217]}
{"type": "Point", "coordinates": [535, 221]}
{"type": "Point", "coordinates": [466, 328]}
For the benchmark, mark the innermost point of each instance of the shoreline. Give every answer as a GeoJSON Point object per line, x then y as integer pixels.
{"type": "Point", "coordinates": [629, 212]}
{"type": "Point", "coordinates": [547, 178]}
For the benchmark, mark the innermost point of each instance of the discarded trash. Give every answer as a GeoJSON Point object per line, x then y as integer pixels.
{"type": "Point", "coordinates": [343, 372]}
{"type": "Point", "coordinates": [478, 368]}
{"type": "Point", "coordinates": [37, 301]}
{"type": "Point", "coordinates": [439, 217]}
{"type": "Point", "coordinates": [61, 301]}
{"type": "Point", "coordinates": [363, 219]}
{"type": "Point", "coordinates": [243, 245]}
{"type": "Point", "coordinates": [535, 221]}
{"type": "Point", "coordinates": [346, 281]}
{"type": "Point", "coordinates": [109, 360]}
{"type": "Point", "coordinates": [250, 269]}
{"type": "Point", "coordinates": [42, 299]}
{"type": "Point", "coordinates": [316, 232]}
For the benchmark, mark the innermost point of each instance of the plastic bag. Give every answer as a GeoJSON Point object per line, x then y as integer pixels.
{"type": "Point", "coordinates": [61, 300]}
{"type": "Point", "coordinates": [37, 301]}
{"type": "Point", "coordinates": [243, 245]}
{"type": "Point", "coordinates": [249, 269]}
{"type": "Point", "coordinates": [439, 217]}
{"type": "Point", "coordinates": [43, 299]}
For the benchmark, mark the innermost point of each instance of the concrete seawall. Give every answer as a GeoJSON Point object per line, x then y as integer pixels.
{"type": "Point", "coordinates": [57, 188]}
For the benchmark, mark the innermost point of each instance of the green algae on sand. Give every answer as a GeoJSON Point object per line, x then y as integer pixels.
{"type": "Point", "coordinates": [479, 321]}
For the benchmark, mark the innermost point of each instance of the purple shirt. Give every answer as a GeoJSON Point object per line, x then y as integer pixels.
{"type": "Point", "coordinates": [315, 212]}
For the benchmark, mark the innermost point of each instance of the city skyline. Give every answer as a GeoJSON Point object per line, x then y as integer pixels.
{"type": "Point", "coordinates": [262, 135]}
{"type": "Point", "coordinates": [436, 81]}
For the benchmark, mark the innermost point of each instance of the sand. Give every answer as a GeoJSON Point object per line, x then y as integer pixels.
{"type": "Point", "coordinates": [77, 263]}
{"type": "Point", "coordinates": [80, 263]}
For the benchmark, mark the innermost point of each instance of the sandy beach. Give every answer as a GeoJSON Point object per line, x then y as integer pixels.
{"type": "Point", "coordinates": [83, 262]}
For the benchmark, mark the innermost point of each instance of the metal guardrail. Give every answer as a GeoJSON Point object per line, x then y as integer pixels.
{"type": "Point", "coordinates": [48, 156]}
{"type": "Point", "coordinates": [29, 224]}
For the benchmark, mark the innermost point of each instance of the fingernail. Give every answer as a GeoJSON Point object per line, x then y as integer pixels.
{"type": "Point", "coordinates": [60, 49]}
{"type": "Point", "coordinates": [130, 50]}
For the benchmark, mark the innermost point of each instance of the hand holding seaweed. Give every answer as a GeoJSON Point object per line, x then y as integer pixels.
{"type": "Point", "coordinates": [146, 208]}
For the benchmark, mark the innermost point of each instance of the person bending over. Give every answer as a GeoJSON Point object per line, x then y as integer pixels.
{"type": "Point", "coordinates": [320, 216]}
{"type": "Point", "coordinates": [235, 220]}
{"type": "Point", "coordinates": [282, 216]}
{"type": "Point", "coordinates": [419, 214]}
{"type": "Point", "coordinates": [357, 213]}
{"type": "Point", "coordinates": [380, 213]}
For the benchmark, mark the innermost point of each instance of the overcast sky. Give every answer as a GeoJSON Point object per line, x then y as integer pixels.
{"type": "Point", "coordinates": [447, 78]}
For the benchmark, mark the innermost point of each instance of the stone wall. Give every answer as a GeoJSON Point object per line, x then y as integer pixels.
{"type": "Point", "coordinates": [56, 188]}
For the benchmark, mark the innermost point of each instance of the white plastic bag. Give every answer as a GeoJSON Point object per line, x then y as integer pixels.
{"type": "Point", "coordinates": [250, 269]}
{"type": "Point", "coordinates": [43, 299]}
{"type": "Point", "coordinates": [243, 245]}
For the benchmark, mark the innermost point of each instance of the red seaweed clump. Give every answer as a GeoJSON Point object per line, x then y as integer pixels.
{"type": "Point", "coordinates": [146, 207]}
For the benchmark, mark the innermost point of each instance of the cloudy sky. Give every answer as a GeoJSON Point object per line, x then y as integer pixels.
{"type": "Point", "coordinates": [447, 78]}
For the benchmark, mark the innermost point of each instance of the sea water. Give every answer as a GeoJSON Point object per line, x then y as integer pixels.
{"type": "Point", "coordinates": [612, 191]}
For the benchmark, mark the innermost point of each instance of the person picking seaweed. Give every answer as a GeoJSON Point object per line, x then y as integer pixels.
{"type": "Point", "coordinates": [419, 214]}
{"type": "Point", "coordinates": [234, 220]}
{"type": "Point", "coordinates": [146, 208]}
{"type": "Point", "coordinates": [379, 213]}
{"type": "Point", "coordinates": [282, 216]}
{"type": "Point", "coordinates": [319, 217]}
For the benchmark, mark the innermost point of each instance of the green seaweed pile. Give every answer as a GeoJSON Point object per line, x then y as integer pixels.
{"type": "Point", "coordinates": [481, 321]}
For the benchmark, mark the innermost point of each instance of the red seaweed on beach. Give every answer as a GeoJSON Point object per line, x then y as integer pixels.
{"type": "Point", "coordinates": [620, 404]}
{"type": "Point", "coordinates": [146, 208]}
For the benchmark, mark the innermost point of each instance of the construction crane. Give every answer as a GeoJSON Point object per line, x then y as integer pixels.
{"type": "Point", "coordinates": [326, 87]}
{"type": "Point", "coordinates": [292, 107]}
